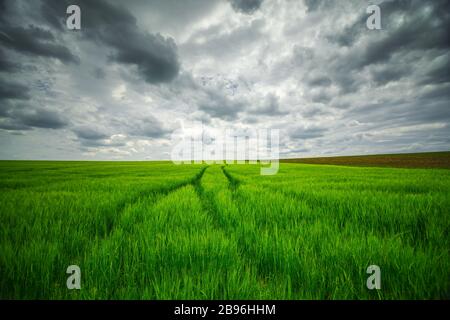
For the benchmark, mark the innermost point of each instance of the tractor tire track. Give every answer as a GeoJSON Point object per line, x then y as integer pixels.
{"type": "Point", "coordinates": [233, 185]}
{"type": "Point", "coordinates": [232, 181]}
{"type": "Point", "coordinates": [157, 195]}
{"type": "Point", "coordinates": [209, 206]}
{"type": "Point", "coordinates": [245, 259]}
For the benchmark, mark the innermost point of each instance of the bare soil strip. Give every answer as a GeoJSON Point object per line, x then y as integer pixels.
{"type": "Point", "coordinates": [407, 160]}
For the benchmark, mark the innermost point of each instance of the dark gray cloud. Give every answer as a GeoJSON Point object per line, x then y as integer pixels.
{"type": "Point", "coordinates": [212, 41]}
{"type": "Point", "coordinates": [95, 143]}
{"type": "Point", "coordinates": [154, 56]}
{"type": "Point", "coordinates": [346, 80]}
{"type": "Point", "coordinates": [95, 136]}
{"type": "Point", "coordinates": [114, 133]}
{"type": "Point", "coordinates": [26, 114]}
{"type": "Point", "coordinates": [407, 25]}
{"type": "Point", "coordinates": [427, 107]}
{"type": "Point", "coordinates": [147, 126]}
{"type": "Point", "coordinates": [12, 90]}
{"type": "Point", "coordinates": [99, 73]}
{"type": "Point", "coordinates": [441, 92]}
{"type": "Point", "coordinates": [12, 125]}
{"type": "Point", "coordinates": [5, 107]}
{"type": "Point", "coordinates": [321, 96]}
{"type": "Point", "coordinates": [439, 73]}
{"type": "Point", "coordinates": [34, 40]}
{"type": "Point", "coordinates": [43, 119]}
{"type": "Point", "coordinates": [314, 5]}
{"type": "Point", "coordinates": [6, 65]}
{"type": "Point", "coordinates": [389, 73]}
{"type": "Point", "coordinates": [319, 81]}
{"type": "Point", "coordinates": [315, 113]}
{"type": "Point", "coordinates": [90, 133]}
{"type": "Point", "coordinates": [217, 105]}
{"type": "Point", "coordinates": [246, 6]}
{"type": "Point", "coordinates": [24, 118]}
{"type": "Point", "coordinates": [305, 133]}
{"type": "Point", "coordinates": [269, 107]}
{"type": "Point", "coordinates": [411, 30]}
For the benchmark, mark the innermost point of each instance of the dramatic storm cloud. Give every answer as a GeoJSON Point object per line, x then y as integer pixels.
{"type": "Point", "coordinates": [154, 55]}
{"type": "Point", "coordinates": [139, 70]}
{"type": "Point", "coordinates": [246, 6]}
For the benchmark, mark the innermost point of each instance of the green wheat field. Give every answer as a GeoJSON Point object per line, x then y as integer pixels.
{"type": "Point", "coordinates": [155, 230]}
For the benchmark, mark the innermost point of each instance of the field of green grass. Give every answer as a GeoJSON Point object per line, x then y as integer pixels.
{"type": "Point", "coordinates": [154, 230]}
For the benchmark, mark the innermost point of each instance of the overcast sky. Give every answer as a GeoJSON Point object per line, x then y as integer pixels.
{"type": "Point", "coordinates": [118, 88]}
